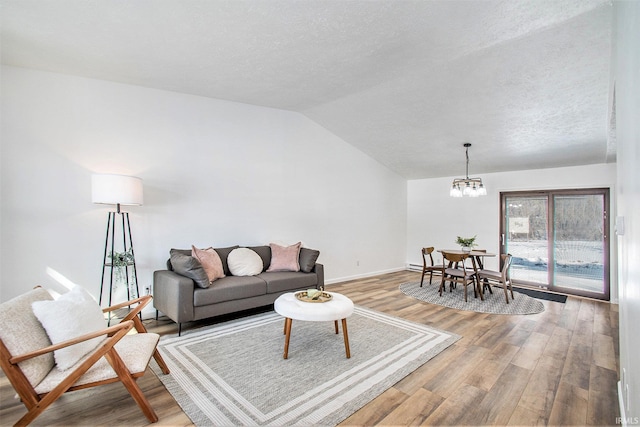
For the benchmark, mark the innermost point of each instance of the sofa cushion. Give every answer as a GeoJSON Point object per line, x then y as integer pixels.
{"type": "Point", "coordinates": [244, 262]}
{"type": "Point", "coordinates": [224, 254]}
{"type": "Point", "coordinates": [188, 266]}
{"type": "Point", "coordinates": [210, 261]}
{"type": "Point", "coordinates": [308, 258]}
{"type": "Point", "coordinates": [284, 258]}
{"type": "Point", "coordinates": [280, 281]}
{"type": "Point", "coordinates": [265, 254]}
{"type": "Point", "coordinates": [230, 288]}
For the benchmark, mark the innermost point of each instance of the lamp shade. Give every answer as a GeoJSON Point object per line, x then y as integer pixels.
{"type": "Point", "coordinates": [116, 189]}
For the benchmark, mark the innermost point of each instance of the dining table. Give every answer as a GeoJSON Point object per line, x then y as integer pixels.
{"type": "Point", "coordinates": [477, 263]}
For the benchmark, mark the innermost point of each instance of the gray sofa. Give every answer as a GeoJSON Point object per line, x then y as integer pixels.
{"type": "Point", "coordinates": [182, 300]}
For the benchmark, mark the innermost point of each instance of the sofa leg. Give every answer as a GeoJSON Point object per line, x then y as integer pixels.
{"type": "Point", "coordinates": [156, 314]}
{"type": "Point", "coordinates": [179, 328]}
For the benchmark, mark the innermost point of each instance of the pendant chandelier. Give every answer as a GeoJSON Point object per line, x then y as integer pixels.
{"type": "Point", "coordinates": [471, 187]}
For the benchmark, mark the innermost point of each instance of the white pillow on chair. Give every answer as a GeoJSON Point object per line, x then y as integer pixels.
{"type": "Point", "coordinates": [73, 314]}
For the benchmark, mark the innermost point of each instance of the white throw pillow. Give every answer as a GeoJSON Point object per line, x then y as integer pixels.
{"type": "Point", "coordinates": [244, 262]}
{"type": "Point", "coordinates": [73, 314]}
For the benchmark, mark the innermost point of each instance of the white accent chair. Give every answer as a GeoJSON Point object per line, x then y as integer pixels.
{"type": "Point", "coordinates": [27, 355]}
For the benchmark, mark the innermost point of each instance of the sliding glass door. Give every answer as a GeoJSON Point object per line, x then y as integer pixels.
{"type": "Point", "coordinates": [558, 239]}
{"type": "Point", "coordinates": [526, 238]}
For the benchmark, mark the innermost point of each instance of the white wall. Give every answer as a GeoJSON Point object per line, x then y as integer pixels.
{"type": "Point", "coordinates": [435, 219]}
{"type": "Point", "coordinates": [627, 75]}
{"type": "Point", "coordinates": [215, 173]}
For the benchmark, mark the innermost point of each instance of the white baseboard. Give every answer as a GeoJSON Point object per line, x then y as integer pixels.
{"type": "Point", "coordinates": [363, 276]}
{"type": "Point", "coordinates": [623, 417]}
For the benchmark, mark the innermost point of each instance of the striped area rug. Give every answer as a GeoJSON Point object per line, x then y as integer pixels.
{"type": "Point", "coordinates": [233, 373]}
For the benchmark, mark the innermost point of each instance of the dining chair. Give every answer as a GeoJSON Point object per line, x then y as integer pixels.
{"type": "Point", "coordinates": [479, 265]}
{"type": "Point", "coordinates": [461, 274]}
{"type": "Point", "coordinates": [429, 266]}
{"type": "Point", "coordinates": [39, 378]}
{"type": "Point", "coordinates": [500, 278]}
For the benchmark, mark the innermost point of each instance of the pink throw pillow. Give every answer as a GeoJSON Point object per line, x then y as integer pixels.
{"type": "Point", "coordinates": [211, 262]}
{"type": "Point", "coordinates": [285, 258]}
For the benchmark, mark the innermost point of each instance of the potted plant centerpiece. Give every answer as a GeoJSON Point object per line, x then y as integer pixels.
{"type": "Point", "coordinates": [467, 243]}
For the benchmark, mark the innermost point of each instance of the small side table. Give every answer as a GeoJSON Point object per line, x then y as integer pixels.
{"type": "Point", "coordinates": [338, 308]}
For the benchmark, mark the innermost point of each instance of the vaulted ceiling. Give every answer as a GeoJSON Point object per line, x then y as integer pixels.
{"type": "Point", "coordinates": [527, 82]}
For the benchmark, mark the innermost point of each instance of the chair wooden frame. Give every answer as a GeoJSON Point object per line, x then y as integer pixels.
{"type": "Point", "coordinates": [499, 278]}
{"type": "Point", "coordinates": [430, 266]}
{"type": "Point", "coordinates": [478, 265]}
{"type": "Point", "coordinates": [457, 275]}
{"type": "Point", "coordinates": [37, 403]}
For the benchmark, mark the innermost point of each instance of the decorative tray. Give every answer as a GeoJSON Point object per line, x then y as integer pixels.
{"type": "Point", "coordinates": [324, 297]}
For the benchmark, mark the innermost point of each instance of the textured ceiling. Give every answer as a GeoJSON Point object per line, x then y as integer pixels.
{"type": "Point", "coordinates": [407, 82]}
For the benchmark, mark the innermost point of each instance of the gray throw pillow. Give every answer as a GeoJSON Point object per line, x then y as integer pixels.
{"type": "Point", "coordinates": [182, 251]}
{"type": "Point", "coordinates": [190, 267]}
{"type": "Point", "coordinates": [308, 259]}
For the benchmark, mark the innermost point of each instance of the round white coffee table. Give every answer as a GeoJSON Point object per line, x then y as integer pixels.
{"type": "Point", "coordinates": [338, 308]}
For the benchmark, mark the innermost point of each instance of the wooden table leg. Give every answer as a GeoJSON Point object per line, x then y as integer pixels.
{"type": "Point", "coordinates": [336, 323]}
{"type": "Point", "coordinates": [287, 333]}
{"type": "Point", "coordinates": [478, 285]}
{"type": "Point", "coordinates": [346, 337]}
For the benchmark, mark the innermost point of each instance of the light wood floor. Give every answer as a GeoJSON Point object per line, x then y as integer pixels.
{"type": "Point", "coordinates": [554, 368]}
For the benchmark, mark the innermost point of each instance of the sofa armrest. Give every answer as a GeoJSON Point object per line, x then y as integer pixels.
{"type": "Point", "coordinates": [173, 295]}
{"type": "Point", "coordinates": [319, 270]}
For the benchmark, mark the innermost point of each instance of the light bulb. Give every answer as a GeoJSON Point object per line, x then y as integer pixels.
{"type": "Point", "coordinates": [467, 190]}
{"type": "Point", "coordinates": [474, 191]}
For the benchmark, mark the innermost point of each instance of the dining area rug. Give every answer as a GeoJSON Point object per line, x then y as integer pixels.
{"type": "Point", "coordinates": [493, 303]}
{"type": "Point", "coordinates": [233, 373]}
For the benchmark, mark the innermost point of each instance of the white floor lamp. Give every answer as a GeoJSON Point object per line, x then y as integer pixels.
{"type": "Point", "coordinates": [118, 190]}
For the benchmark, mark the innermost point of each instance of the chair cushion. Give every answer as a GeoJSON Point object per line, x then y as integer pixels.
{"type": "Point", "coordinates": [73, 314]}
{"type": "Point", "coordinates": [490, 274]}
{"type": "Point", "coordinates": [457, 272]}
{"type": "Point", "coordinates": [135, 350]}
{"type": "Point", "coordinates": [21, 333]}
